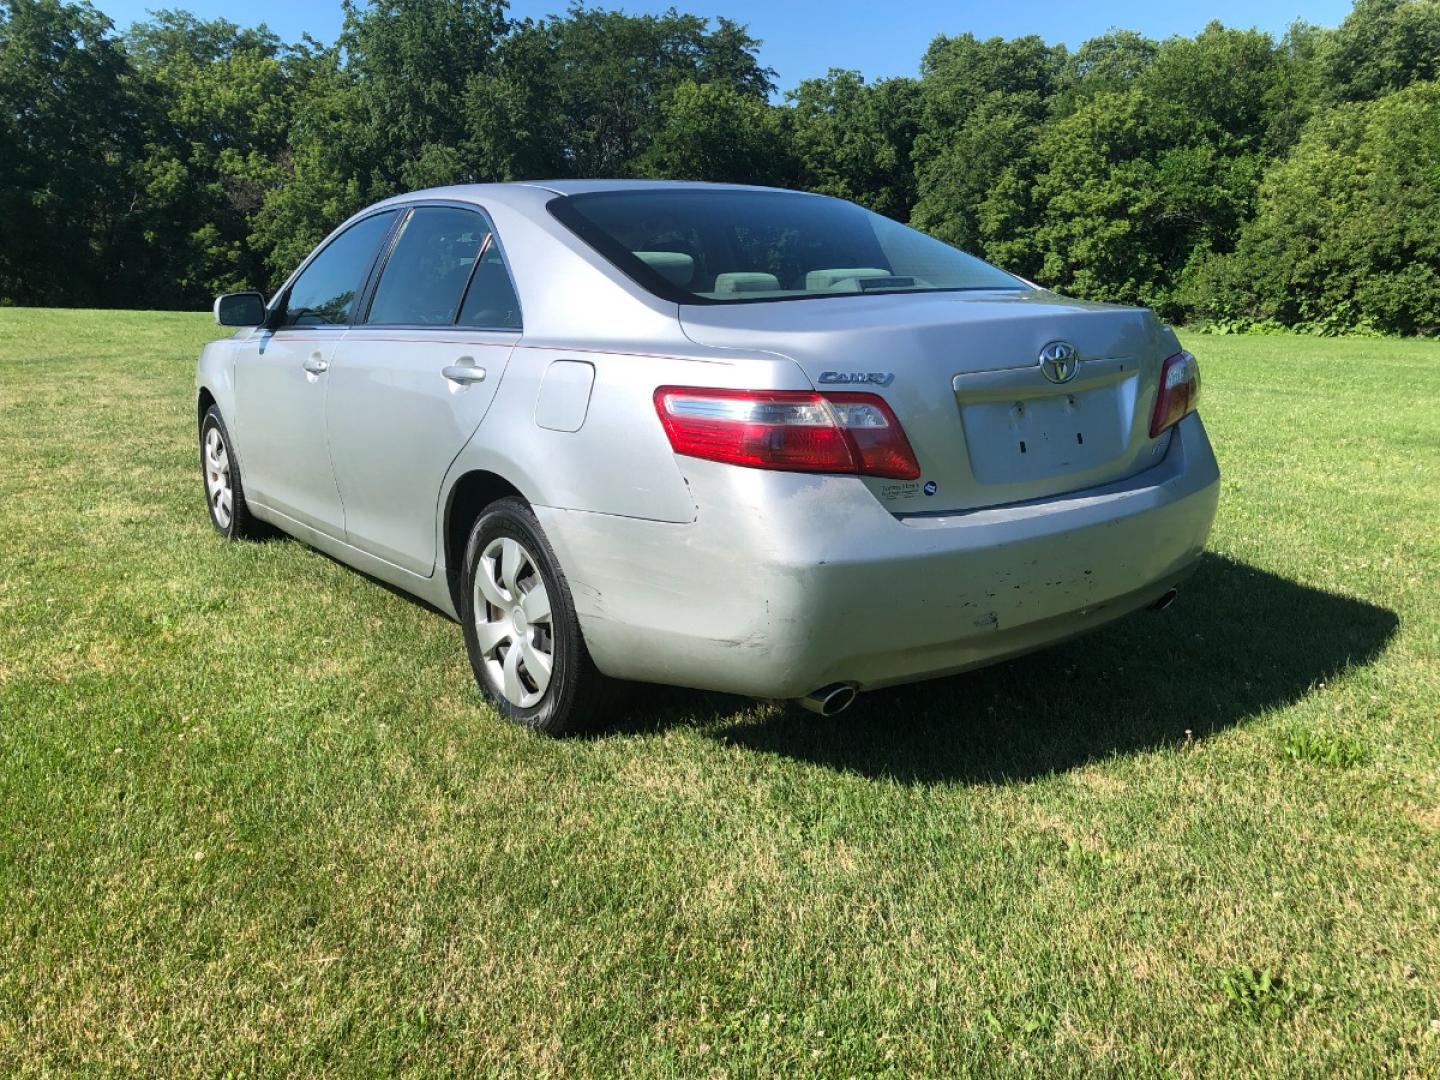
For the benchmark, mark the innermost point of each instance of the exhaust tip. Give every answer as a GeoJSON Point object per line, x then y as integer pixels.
{"type": "Point", "coordinates": [830, 700]}
{"type": "Point", "coordinates": [1165, 601]}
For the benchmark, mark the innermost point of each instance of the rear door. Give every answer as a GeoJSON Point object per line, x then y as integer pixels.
{"type": "Point", "coordinates": [411, 382]}
{"type": "Point", "coordinates": [281, 380]}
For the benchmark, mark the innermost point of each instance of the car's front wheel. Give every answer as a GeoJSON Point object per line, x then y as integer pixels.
{"type": "Point", "coordinates": [224, 494]}
{"type": "Point", "coordinates": [521, 631]}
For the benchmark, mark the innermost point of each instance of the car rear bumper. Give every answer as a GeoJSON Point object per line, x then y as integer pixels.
{"type": "Point", "coordinates": [786, 582]}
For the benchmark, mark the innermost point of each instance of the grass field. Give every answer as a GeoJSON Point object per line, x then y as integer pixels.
{"type": "Point", "coordinates": [255, 819]}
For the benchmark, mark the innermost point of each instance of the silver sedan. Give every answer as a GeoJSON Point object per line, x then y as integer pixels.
{"type": "Point", "coordinates": [730, 438]}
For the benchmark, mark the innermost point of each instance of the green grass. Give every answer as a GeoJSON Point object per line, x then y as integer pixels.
{"type": "Point", "coordinates": [254, 817]}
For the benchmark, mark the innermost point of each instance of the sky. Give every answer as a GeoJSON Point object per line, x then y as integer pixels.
{"type": "Point", "coordinates": [804, 38]}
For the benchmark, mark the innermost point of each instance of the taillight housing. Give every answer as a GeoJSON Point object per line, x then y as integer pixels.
{"type": "Point", "coordinates": [796, 431]}
{"type": "Point", "coordinates": [1179, 392]}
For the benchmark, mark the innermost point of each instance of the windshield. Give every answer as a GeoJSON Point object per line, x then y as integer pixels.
{"type": "Point", "coordinates": [713, 246]}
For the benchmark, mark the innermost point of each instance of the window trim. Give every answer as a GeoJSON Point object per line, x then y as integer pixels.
{"type": "Point", "coordinates": [492, 239]}
{"type": "Point", "coordinates": [372, 284]}
{"type": "Point", "coordinates": [274, 319]}
{"type": "Point", "coordinates": [470, 277]}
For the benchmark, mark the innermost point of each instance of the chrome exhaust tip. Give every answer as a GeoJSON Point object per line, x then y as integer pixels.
{"type": "Point", "coordinates": [1165, 601]}
{"type": "Point", "coordinates": [830, 700]}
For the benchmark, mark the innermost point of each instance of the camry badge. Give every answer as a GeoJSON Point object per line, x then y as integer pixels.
{"type": "Point", "coordinates": [876, 378]}
{"type": "Point", "coordinates": [1059, 361]}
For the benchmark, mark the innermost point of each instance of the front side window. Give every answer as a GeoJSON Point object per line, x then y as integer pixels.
{"type": "Point", "coordinates": [428, 269]}
{"type": "Point", "coordinates": [718, 246]}
{"type": "Point", "coordinates": [324, 293]}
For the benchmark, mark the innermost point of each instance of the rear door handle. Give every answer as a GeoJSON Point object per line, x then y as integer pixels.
{"type": "Point", "coordinates": [464, 373]}
{"type": "Point", "coordinates": [316, 364]}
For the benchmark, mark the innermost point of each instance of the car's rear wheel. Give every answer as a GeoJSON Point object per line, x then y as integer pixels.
{"type": "Point", "coordinates": [521, 632]}
{"type": "Point", "coordinates": [224, 494]}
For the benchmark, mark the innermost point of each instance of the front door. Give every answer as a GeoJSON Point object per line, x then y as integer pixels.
{"type": "Point", "coordinates": [281, 379]}
{"type": "Point", "coordinates": [411, 382]}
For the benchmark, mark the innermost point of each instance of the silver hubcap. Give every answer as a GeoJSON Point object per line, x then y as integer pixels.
{"type": "Point", "coordinates": [217, 477]}
{"type": "Point", "coordinates": [512, 622]}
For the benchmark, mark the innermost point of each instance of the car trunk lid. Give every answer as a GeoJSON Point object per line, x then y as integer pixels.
{"type": "Point", "coordinates": [963, 373]}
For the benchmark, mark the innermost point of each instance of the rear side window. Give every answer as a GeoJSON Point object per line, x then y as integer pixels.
{"type": "Point", "coordinates": [429, 267]}
{"type": "Point", "coordinates": [491, 300]}
{"type": "Point", "coordinates": [324, 293]}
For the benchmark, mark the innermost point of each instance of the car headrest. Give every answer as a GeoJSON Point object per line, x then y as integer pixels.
{"type": "Point", "coordinates": [823, 280]}
{"type": "Point", "coordinates": [674, 266]}
{"type": "Point", "coordinates": [738, 281]}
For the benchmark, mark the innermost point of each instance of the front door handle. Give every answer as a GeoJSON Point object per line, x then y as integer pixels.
{"type": "Point", "coordinates": [464, 374]}
{"type": "Point", "coordinates": [316, 364]}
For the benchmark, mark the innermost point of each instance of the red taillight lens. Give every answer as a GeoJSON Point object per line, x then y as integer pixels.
{"type": "Point", "coordinates": [1179, 392]}
{"type": "Point", "coordinates": [796, 431]}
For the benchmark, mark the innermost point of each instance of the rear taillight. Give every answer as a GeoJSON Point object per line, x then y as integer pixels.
{"type": "Point", "coordinates": [1179, 392]}
{"type": "Point", "coordinates": [796, 431]}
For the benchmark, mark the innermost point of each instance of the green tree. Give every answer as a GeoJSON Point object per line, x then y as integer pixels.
{"type": "Point", "coordinates": [410, 64]}
{"type": "Point", "coordinates": [326, 172]}
{"type": "Point", "coordinates": [1228, 85]}
{"type": "Point", "coordinates": [584, 95]}
{"type": "Point", "coordinates": [194, 155]}
{"type": "Point", "coordinates": [69, 131]}
{"type": "Point", "coordinates": [381, 112]}
{"type": "Point", "coordinates": [1347, 236]}
{"type": "Point", "coordinates": [420, 93]}
{"type": "Point", "coordinates": [854, 139]}
{"type": "Point", "coordinates": [982, 107]}
{"type": "Point", "coordinates": [1144, 179]}
{"type": "Point", "coordinates": [1383, 45]}
{"type": "Point", "coordinates": [1112, 61]}
{"type": "Point", "coordinates": [712, 131]}
{"type": "Point", "coordinates": [220, 101]}
{"type": "Point", "coordinates": [1107, 228]}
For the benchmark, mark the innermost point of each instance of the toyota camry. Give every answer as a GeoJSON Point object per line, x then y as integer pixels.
{"type": "Point", "coordinates": [731, 438]}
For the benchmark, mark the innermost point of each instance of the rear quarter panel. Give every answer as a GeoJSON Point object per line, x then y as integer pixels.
{"type": "Point", "coordinates": [619, 460]}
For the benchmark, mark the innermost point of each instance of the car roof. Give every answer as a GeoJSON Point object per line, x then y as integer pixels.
{"type": "Point", "coordinates": [526, 191]}
{"type": "Point", "coordinates": [583, 187]}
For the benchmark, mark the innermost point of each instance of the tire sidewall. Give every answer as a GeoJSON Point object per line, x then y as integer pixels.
{"type": "Point", "coordinates": [212, 420]}
{"type": "Point", "coordinates": [553, 714]}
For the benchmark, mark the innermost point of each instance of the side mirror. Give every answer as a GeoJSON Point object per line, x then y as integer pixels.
{"type": "Point", "coordinates": [240, 309]}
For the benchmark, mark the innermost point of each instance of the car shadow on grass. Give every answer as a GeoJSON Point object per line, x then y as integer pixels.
{"type": "Point", "coordinates": [1238, 642]}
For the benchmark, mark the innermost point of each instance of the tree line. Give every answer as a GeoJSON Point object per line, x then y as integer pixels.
{"type": "Point", "coordinates": [1230, 178]}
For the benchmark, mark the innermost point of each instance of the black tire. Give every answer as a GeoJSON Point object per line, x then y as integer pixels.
{"type": "Point", "coordinates": [242, 525]}
{"type": "Point", "coordinates": [577, 696]}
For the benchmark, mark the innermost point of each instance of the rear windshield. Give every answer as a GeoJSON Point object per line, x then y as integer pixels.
{"type": "Point", "coordinates": [734, 247]}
